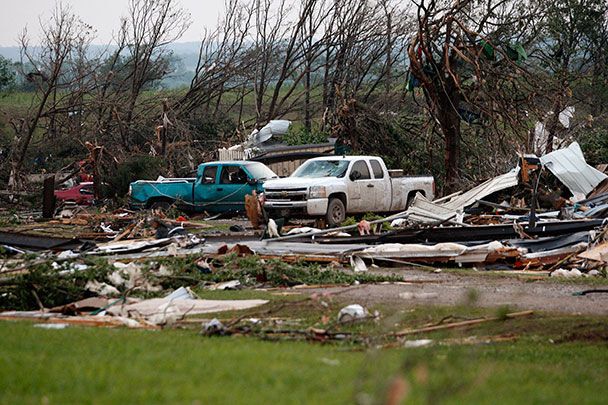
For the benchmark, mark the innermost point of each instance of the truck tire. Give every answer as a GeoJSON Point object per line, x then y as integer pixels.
{"type": "Point", "coordinates": [160, 205]}
{"type": "Point", "coordinates": [336, 212]}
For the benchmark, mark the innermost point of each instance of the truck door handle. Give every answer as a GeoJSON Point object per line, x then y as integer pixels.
{"type": "Point", "coordinates": [220, 189]}
{"type": "Point", "coordinates": [370, 185]}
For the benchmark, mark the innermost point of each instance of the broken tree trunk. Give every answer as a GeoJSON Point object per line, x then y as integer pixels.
{"type": "Point", "coordinates": [446, 105]}
{"type": "Point", "coordinates": [48, 197]}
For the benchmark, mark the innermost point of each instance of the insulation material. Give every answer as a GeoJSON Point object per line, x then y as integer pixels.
{"type": "Point", "coordinates": [441, 251]}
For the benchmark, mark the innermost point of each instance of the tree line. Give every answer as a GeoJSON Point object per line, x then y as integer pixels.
{"type": "Point", "coordinates": [452, 87]}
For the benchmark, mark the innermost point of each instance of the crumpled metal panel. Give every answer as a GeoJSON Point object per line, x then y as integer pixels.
{"type": "Point", "coordinates": [570, 167]}
{"type": "Point", "coordinates": [424, 210]}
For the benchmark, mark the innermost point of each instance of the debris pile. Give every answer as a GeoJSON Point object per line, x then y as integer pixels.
{"type": "Point", "coordinates": [545, 214]}
{"type": "Point", "coordinates": [142, 269]}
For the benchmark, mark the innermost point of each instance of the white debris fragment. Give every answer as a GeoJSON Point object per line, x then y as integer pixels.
{"type": "Point", "coordinates": [67, 254]}
{"type": "Point", "coordinates": [226, 285]}
{"type": "Point", "coordinates": [567, 273]}
{"type": "Point", "coordinates": [106, 228]}
{"type": "Point", "coordinates": [352, 312]}
{"type": "Point", "coordinates": [51, 325]}
{"type": "Point", "coordinates": [330, 362]}
{"type": "Point", "coordinates": [338, 234]}
{"type": "Point", "coordinates": [273, 230]}
{"type": "Point", "coordinates": [418, 296]}
{"type": "Point", "coordinates": [213, 327]}
{"type": "Point", "coordinates": [398, 222]}
{"type": "Point", "coordinates": [304, 229]}
{"type": "Point", "coordinates": [181, 293]}
{"type": "Point", "coordinates": [417, 343]}
{"type": "Point", "coordinates": [103, 289]}
{"type": "Point", "coordinates": [358, 264]}
{"type": "Point", "coordinates": [167, 315]}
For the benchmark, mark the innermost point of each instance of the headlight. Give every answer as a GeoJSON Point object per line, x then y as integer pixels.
{"type": "Point", "coordinates": [317, 192]}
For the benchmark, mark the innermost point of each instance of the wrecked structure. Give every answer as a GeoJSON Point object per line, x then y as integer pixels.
{"type": "Point", "coordinates": [548, 215]}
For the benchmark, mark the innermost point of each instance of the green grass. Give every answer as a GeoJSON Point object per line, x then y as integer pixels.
{"type": "Point", "coordinates": [101, 366]}
{"type": "Point", "coordinates": [122, 366]}
{"type": "Point", "coordinates": [16, 99]}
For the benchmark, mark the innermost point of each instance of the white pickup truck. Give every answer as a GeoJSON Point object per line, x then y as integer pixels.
{"type": "Point", "coordinates": [335, 186]}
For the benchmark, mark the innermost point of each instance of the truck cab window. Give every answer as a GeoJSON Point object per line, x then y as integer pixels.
{"type": "Point", "coordinates": [361, 167]}
{"type": "Point", "coordinates": [377, 169]}
{"type": "Point", "coordinates": [209, 175]}
{"type": "Point", "coordinates": [233, 175]}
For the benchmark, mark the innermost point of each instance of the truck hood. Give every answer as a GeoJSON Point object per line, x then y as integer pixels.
{"type": "Point", "coordinates": [298, 182]}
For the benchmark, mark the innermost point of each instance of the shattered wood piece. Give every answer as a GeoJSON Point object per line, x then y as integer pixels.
{"type": "Point", "coordinates": [252, 209]}
{"type": "Point", "coordinates": [187, 224]}
{"type": "Point", "coordinates": [125, 232]}
{"type": "Point", "coordinates": [462, 324]}
{"type": "Point", "coordinates": [48, 197]}
{"type": "Point", "coordinates": [598, 253]}
{"type": "Point", "coordinates": [136, 228]}
{"type": "Point", "coordinates": [85, 305]}
{"type": "Point", "coordinates": [95, 235]}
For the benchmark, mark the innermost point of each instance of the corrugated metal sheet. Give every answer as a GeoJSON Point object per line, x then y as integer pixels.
{"type": "Point", "coordinates": [570, 167]}
{"type": "Point", "coordinates": [491, 186]}
{"type": "Point", "coordinates": [424, 210]}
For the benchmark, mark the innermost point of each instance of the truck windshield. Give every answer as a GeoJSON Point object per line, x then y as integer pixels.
{"type": "Point", "coordinates": [322, 168]}
{"type": "Point", "coordinates": [260, 171]}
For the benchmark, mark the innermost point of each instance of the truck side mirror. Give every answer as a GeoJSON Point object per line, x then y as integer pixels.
{"type": "Point", "coordinates": [252, 182]}
{"type": "Point", "coordinates": [355, 175]}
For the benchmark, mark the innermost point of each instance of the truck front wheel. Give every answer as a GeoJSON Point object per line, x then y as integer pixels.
{"type": "Point", "coordinates": [336, 212]}
{"type": "Point", "coordinates": [160, 205]}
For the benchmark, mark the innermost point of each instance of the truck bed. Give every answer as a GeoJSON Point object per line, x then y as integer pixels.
{"type": "Point", "coordinates": [143, 191]}
{"type": "Point", "coordinates": [406, 187]}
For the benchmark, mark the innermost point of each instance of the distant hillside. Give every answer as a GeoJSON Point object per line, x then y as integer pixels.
{"type": "Point", "coordinates": [186, 52]}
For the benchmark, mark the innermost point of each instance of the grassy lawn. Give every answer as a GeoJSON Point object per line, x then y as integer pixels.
{"type": "Point", "coordinates": [99, 366]}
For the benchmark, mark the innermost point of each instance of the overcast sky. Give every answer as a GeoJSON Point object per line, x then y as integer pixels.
{"type": "Point", "coordinates": [103, 15]}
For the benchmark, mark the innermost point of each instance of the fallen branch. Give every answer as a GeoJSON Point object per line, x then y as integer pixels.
{"type": "Point", "coordinates": [462, 324]}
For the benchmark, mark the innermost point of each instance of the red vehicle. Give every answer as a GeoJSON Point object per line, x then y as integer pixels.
{"type": "Point", "coordinates": [81, 194]}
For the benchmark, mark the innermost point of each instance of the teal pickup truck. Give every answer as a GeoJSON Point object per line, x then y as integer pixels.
{"type": "Point", "coordinates": [218, 187]}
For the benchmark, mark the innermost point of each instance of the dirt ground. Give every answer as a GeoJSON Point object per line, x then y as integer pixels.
{"type": "Point", "coordinates": [450, 288]}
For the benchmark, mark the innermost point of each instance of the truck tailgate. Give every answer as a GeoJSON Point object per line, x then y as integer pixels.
{"type": "Point", "coordinates": [403, 187]}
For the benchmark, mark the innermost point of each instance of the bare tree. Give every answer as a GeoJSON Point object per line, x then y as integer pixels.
{"type": "Point", "coordinates": [61, 77]}
{"type": "Point", "coordinates": [467, 57]}
{"type": "Point", "coordinates": [140, 59]}
{"type": "Point", "coordinates": [571, 46]}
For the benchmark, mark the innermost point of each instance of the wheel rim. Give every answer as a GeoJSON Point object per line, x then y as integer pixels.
{"type": "Point", "coordinates": [337, 213]}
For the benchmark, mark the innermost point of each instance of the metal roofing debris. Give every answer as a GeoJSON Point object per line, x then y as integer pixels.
{"type": "Point", "coordinates": [570, 167]}
{"type": "Point", "coordinates": [37, 242]}
{"type": "Point", "coordinates": [549, 243]}
{"type": "Point", "coordinates": [424, 210]}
